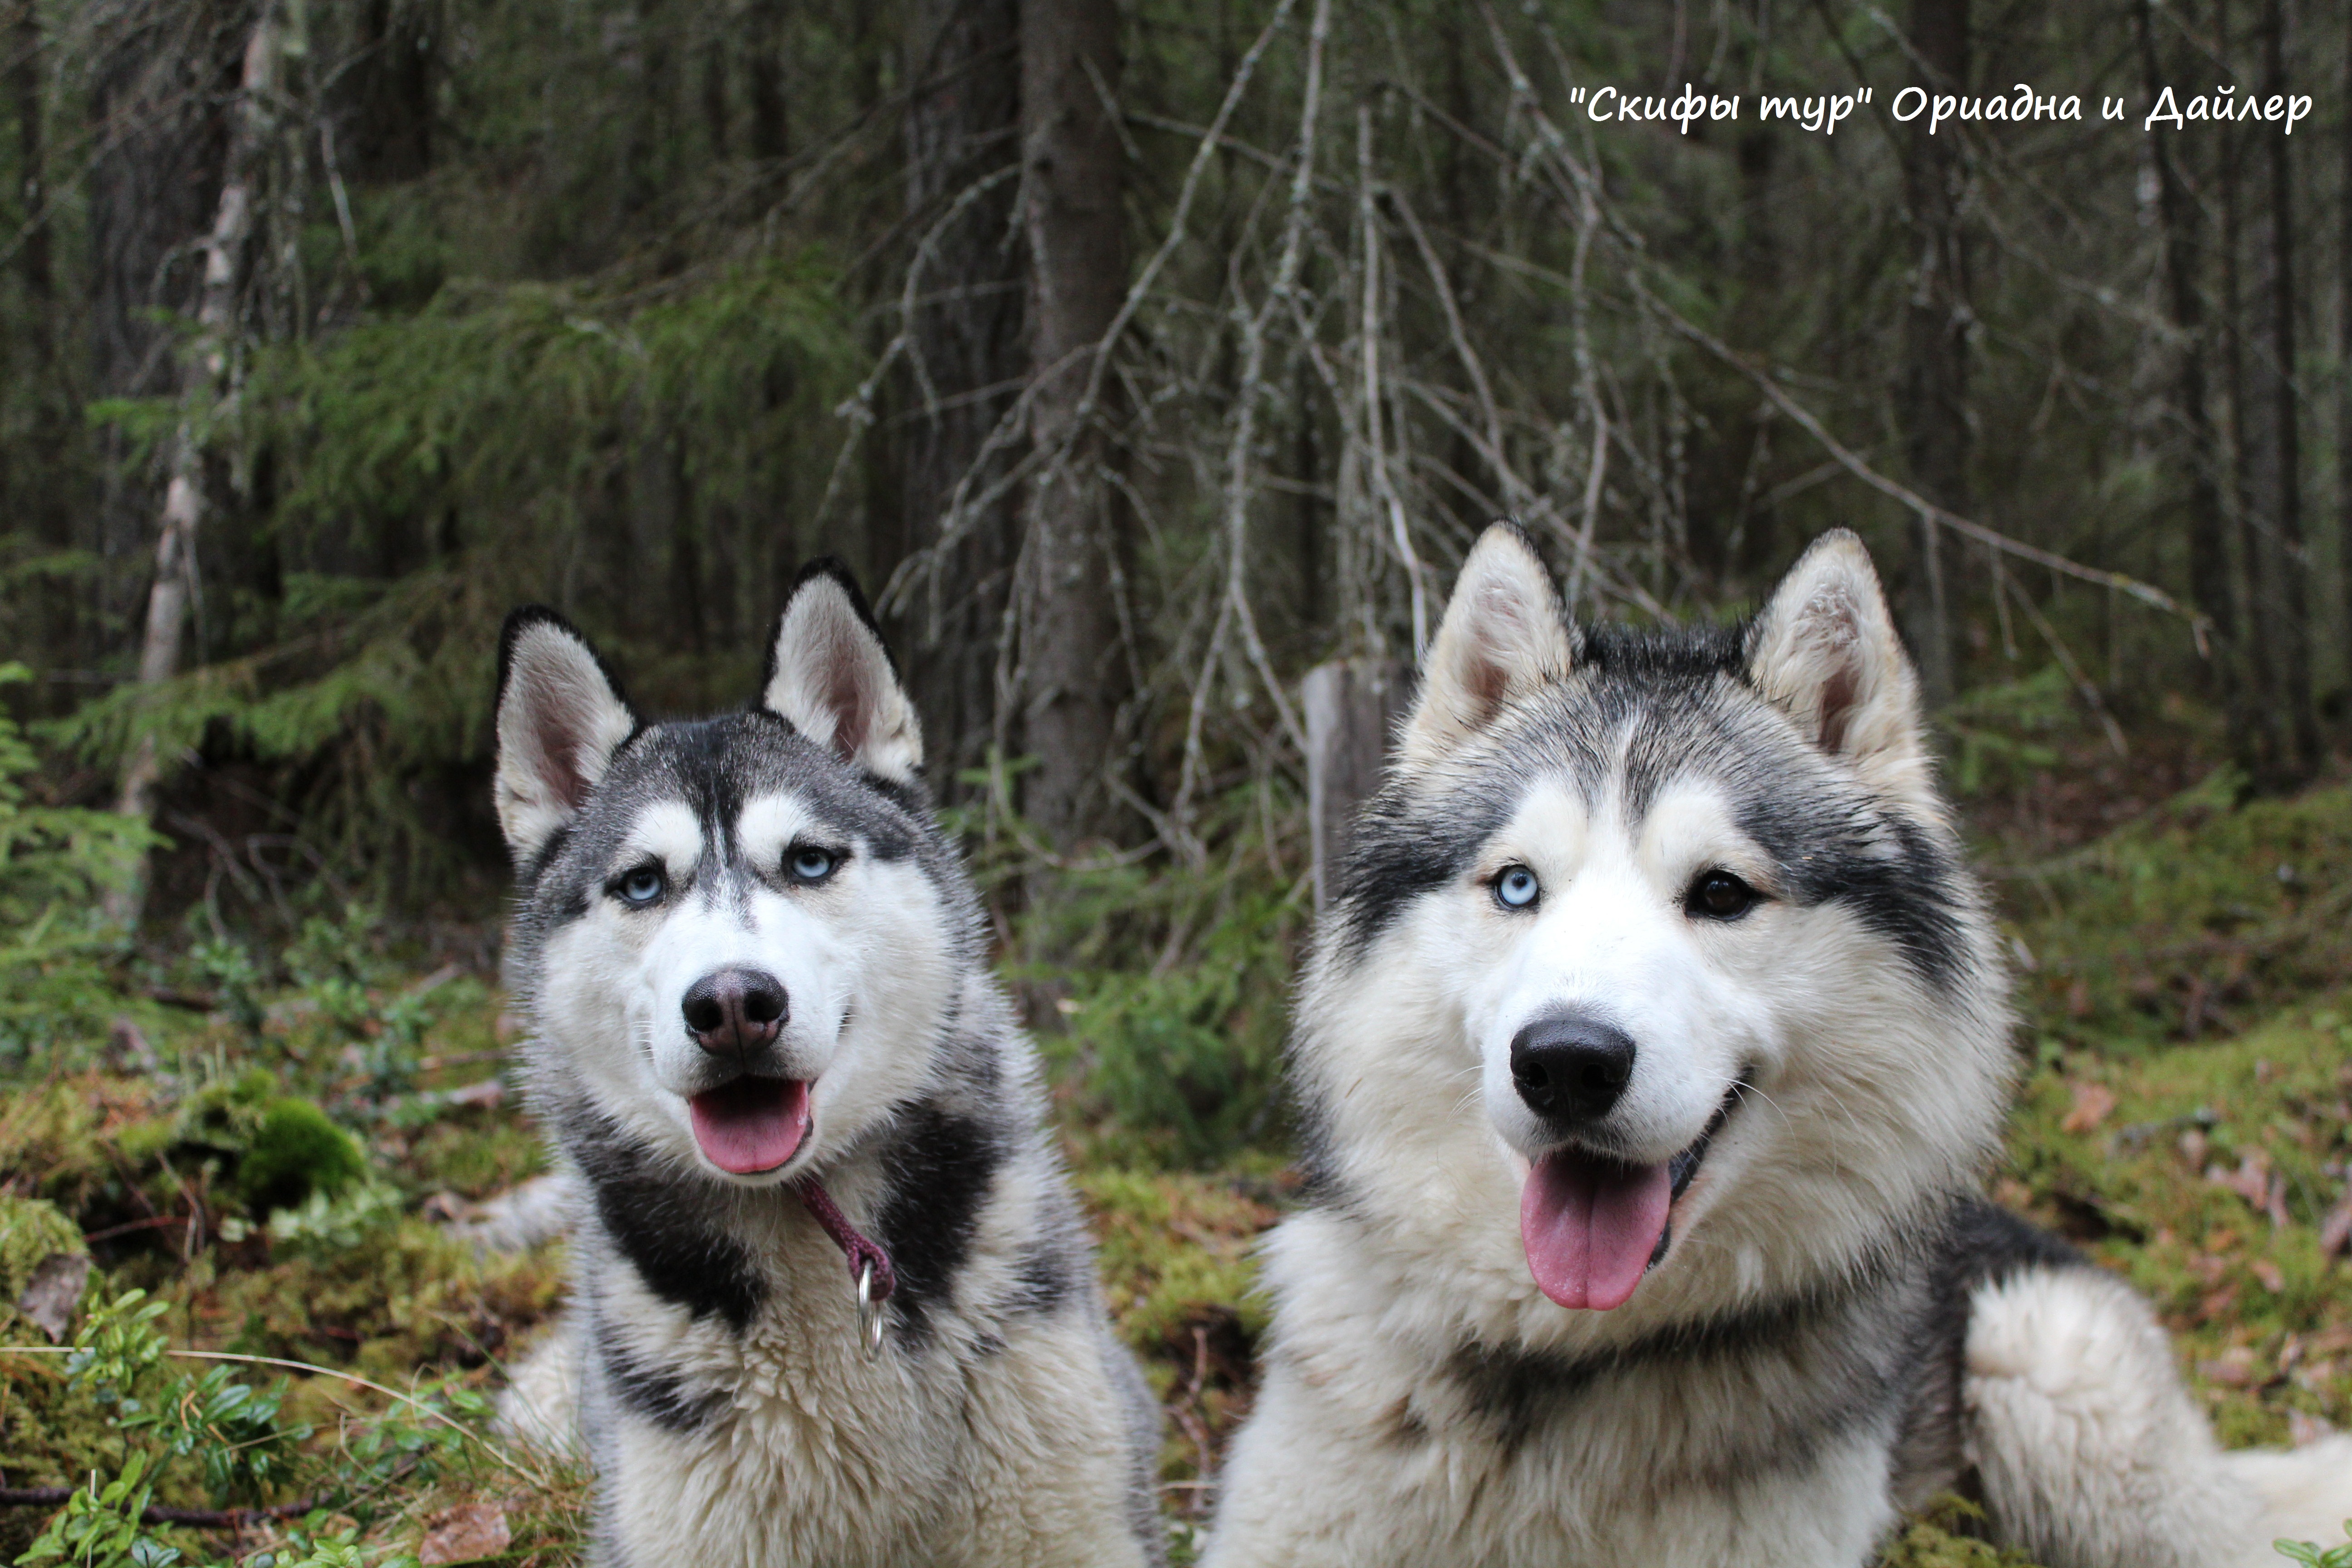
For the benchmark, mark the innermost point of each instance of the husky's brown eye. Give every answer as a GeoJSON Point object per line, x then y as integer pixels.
{"type": "Point", "coordinates": [1718, 895]}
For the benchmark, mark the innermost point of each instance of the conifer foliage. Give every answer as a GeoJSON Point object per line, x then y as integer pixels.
{"type": "Point", "coordinates": [1138, 357]}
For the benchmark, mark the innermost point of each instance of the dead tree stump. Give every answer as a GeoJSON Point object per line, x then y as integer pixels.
{"type": "Point", "coordinates": [1352, 705]}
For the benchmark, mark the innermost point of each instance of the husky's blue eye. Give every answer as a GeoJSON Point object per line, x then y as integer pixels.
{"type": "Point", "coordinates": [642, 886]}
{"type": "Point", "coordinates": [1516, 887]}
{"type": "Point", "coordinates": [810, 864]}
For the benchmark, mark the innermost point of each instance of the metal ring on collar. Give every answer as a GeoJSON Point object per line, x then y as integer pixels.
{"type": "Point", "coordinates": [869, 1312]}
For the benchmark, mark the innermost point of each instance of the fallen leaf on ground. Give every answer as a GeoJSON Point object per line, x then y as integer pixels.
{"type": "Point", "coordinates": [50, 1294]}
{"type": "Point", "coordinates": [2254, 1182]}
{"type": "Point", "coordinates": [465, 1534]}
{"type": "Point", "coordinates": [2093, 1101]}
{"type": "Point", "coordinates": [2335, 1230]}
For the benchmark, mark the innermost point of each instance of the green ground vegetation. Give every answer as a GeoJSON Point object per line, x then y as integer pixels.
{"type": "Point", "coordinates": [258, 1151]}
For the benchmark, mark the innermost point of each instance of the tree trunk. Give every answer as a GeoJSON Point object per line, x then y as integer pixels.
{"type": "Point", "coordinates": [764, 80]}
{"type": "Point", "coordinates": [2277, 447]}
{"type": "Point", "coordinates": [2253, 730]}
{"type": "Point", "coordinates": [2180, 220]}
{"type": "Point", "coordinates": [1351, 707]}
{"type": "Point", "coordinates": [1936, 341]}
{"type": "Point", "coordinates": [1306, 527]}
{"type": "Point", "coordinates": [649, 155]}
{"type": "Point", "coordinates": [1751, 540]}
{"type": "Point", "coordinates": [2344, 365]}
{"type": "Point", "coordinates": [964, 130]}
{"type": "Point", "coordinates": [390, 91]}
{"type": "Point", "coordinates": [715, 107]}
{"type": "Point", "coordinates": [1073, 670]}
{"type": "Point", "coordinates": [205, 380]}
{"type": "Point", "coordinates": [159, 75]}
{"type": "Point", "coordinates": [33, 255]}
{"type": "Point", "coordinates": [39, 500]}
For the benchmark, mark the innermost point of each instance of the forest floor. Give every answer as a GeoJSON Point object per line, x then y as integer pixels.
{"type": "Point", "coordinates": [2185, 1116]}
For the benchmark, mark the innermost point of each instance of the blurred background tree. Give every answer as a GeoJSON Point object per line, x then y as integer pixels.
{"type": "Point", "coordinates": [1138, 357]}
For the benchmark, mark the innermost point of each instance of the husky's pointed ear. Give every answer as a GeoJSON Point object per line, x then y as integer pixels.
{"type": "Point", "coordinates": [1826, 650]}
{"type": "Point", "coordinates": [560, 719]}
{"type": "Point", "coordinates": [1503, 639]}
{"type": "Point", "coordinates": [830, 677]}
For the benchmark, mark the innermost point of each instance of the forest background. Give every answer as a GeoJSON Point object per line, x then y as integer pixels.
{"type": "Point", "coordinates": [1138, 357]}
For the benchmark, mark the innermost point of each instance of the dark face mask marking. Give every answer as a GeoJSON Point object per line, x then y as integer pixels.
{"type": "Point", "coordinates": [1645, 709]}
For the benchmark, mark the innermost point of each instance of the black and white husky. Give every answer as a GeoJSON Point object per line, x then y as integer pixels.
{"type": "Point", "coordinates": [1649, 1062]}
{"type": "Point", "coordinates": [833, 1301]}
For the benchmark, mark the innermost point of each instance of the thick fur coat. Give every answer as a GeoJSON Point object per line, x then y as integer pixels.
{"type": "Point", "coordinates": [1649, 1060]}
{"type": "Point", "coordinates": [751, 961]}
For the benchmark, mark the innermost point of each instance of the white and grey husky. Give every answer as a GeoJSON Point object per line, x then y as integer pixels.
{"type": "Point", "coordinates": [833, 1302]}
{"type": "Point", "coordinates": [1649, 1061]}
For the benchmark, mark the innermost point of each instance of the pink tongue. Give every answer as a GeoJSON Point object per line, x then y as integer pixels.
{"type": "Point", "coordinates": [1590, 1227]}
{"type": "Point", "coordinates": [751, 1125]}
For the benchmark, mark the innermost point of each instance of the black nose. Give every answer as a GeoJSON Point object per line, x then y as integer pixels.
{"type": "Point", "coordinates": [735, 1011]}
{"type": "Point", "coordinates": [1570, 1066]}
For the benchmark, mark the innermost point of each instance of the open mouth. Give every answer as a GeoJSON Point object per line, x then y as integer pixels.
{"type": "Point", "coordinates": [751, 1124]}
{"type": "Point", "coordinates": [1593, 1227]}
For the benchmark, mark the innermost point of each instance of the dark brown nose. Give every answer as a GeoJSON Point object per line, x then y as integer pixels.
{"type": "Point", "coordinates": [735, 1011]}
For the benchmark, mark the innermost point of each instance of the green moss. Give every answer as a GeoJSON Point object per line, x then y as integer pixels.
{"type": "Point", "coordinates": [225, 1113]}
{"type": "Point", "coordinates": [474, 1155]}
{"type": "Point", "coordinates": [1179, 1275]}
{"type": "Point", "coordinates": [413, 1297]}
{"type": "Point", "coordinates": [2199, 921]}
{"type": "Point", "coordinates": [31, 1233]}
{"type": "Point", "coordinates": [1176, 1248]}
{"type": "Point", "coordinates": [297, 1151]}
{"type": "Point", "coordinates": [2205, 1184]}
{"type": "Point", "coordinates": [51, 1435]}
{"type": "Point", "coordinates": [60, 1139]}
{"type": "Point", "coordinates": [1939, 1538]}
